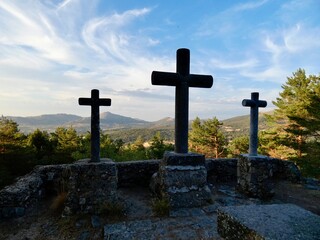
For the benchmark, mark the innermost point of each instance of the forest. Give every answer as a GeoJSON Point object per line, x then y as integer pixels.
{"type": "Point", "coordinates": [293, 133]}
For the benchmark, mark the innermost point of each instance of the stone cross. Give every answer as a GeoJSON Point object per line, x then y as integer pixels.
{"type": "Point", "coordinates": [254, 103]}
{"type": "Point", "coordinates": [95, 102]}
{"type": "Point", "coordinates": [182, 80]}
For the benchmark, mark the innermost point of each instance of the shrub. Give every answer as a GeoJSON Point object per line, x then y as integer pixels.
{"type": "Point", "coordinates": [160, 207]}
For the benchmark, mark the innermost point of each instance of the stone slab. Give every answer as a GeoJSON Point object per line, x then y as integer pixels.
{"type": "Point", "coordinates": [183, 159]}
{"type": "Point", "coordinates": [185, 227]}
{"type": "Point", "coordinates": [275, 221]}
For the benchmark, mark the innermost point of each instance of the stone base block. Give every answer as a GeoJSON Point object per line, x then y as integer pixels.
{"type": "Point", "coordinates": [254, 176]}
{"type": "Point", "coordinates": [182, 179]}
{"type": "Point", "coordinates": [188, 197]}
{"type": "Point", "coordinates": [183, 159]}
{"type": "Point", "coordinates": [183, 176]}
{"type": "Point", "coordinates": [90, 186]}
{"type": "Point", "coordinates": [276, 221]}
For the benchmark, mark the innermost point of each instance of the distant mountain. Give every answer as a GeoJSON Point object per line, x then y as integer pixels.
{"type": "Point", "coordinates": [47, 119]}
{"type": "Point", "coordinates": [50, 122]}
{"type": "Point", "coordinates": [240, 125]}
{"type": "Point", "coordinates": [167, 122]}
{"type": "Point", "coordinates": [119, 125]}
{"type": "Point", "coordinates": [108, 120]}
{"type": "Point", "coordinates": [47, 122]}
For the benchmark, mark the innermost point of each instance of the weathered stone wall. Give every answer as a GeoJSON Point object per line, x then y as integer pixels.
{"type": "Point", "coordinates": [256, 175]}
{"type": "Point", "coordinates": [222, 170]}
{"type": "Point", "coordinates": [16, 198]}
{"type": "Point", "coordinates": [136, 172]}
{"type": "Point", "coordinates": [50, 180]}
{"type": "Point", "coordinates": [286, 170]}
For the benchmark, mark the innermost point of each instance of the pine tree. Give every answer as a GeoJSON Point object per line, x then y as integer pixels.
{"type": "Point", "coordinates": [206, 137]}
{"type": "Point", "coordinates": [10, 135]}
{"type": "Point", "coordinates": [238, 145]}
{"type": "Point", "coordinates": [67, 139]}
{"type": "Point", "coordinates": [158, 147]}
{"type": "Point", "coordinates": [296, 121]}
{"type": "Point", "coordinates": [40, 140]}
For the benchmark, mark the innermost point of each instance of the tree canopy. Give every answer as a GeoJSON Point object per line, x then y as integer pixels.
{"type": "Point", "coordinates": [206, 137]}
{"type": "Point", "coordinates": [296, 121]}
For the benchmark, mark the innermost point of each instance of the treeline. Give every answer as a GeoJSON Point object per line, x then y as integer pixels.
{"type": "Point", "coordinates": [129, 135]}
{"type": "Point", "coordinates": [293, 133]}
{"type": "Point", "coordinates": [20, 153]}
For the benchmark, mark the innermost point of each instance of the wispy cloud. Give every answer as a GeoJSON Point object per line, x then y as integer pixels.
{"type": "Point", "coordinates": [219, 63]}
{"type": "Point", "coordinates": [115, 43]}
{"type": "Point", "coordinates": [52, 52]}
{"type": "Point", "coordinates": [103, 53]}
{"type": "Point", "coordinates": [247, 6]}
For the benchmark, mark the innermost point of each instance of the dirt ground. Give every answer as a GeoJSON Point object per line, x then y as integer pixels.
{"type": "Point", "coordinates": [299, 195]}
{"type": "Point", "coordinates": [43, 223]}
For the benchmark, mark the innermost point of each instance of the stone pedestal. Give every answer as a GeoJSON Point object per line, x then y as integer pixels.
{"type": "Point", "coordinates": [254, 176]}
{"type": "Point", "coordinates": [90, 186]}
{"type": "Point", "coordinates": [183, 180]}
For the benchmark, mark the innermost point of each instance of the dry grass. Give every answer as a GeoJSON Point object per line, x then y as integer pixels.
{"type": "Point", "coordinates": [113, 211]}
{"type": "Point", "coordinates": [58, 202]}
{"type": "Point", "coordinates": [160, 207]}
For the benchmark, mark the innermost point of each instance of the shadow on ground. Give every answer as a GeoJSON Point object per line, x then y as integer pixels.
{"type": "Point", "coordinates": [140, 222]}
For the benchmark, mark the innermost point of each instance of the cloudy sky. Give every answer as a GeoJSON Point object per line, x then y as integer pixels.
{"type": "Point", "coordinates": [52, 52]}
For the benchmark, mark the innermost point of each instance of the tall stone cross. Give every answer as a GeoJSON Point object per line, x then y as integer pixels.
{"type": "Point", "coordinates": [95, 102]}
{"type": "Point", "coordinates": [182, 80]}
{"type": "Point", "coordinates": [254, 103]}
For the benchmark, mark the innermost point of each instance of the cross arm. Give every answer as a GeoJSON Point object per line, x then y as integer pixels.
{"type": "Point", "coordinates": [164, 78]}
{"type": "Point", "coordinates": [251, 103]}
{"type": "Point", "coordinates": [85, 101]}
{"type": "Point", "coordinates": [105, 102]}
{"type": "Point", "coordinates": [200, 81]}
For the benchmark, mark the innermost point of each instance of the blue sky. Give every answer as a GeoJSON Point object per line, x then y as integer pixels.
{"type": "Point", "coordinates": [52, 52]}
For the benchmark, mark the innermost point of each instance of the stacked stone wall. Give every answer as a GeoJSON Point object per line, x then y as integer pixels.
{"type": "Point", "coordinates": [136, 172]}
{"type": "Point", "coordinates": [256, 175]}
{"type": "Point", "coordinates": [222, 170]}
{"type": "Point", "coordinates": [16, 198]}
{"type": "Point", "coordinates": [51, 180]}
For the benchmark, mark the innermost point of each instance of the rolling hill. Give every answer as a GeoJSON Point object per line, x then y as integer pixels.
{"type": "Point", "coordinates": [108, 120]}
{"type": "Point", "coordinates": [127, 128]}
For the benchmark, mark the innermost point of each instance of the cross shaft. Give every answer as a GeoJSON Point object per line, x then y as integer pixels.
{"type": "Point", "coordinates": [254, 103]}
{"type": "Point", "coordinates": [95, 102]}
{"type": "Point", "coordinates": [182, 80]}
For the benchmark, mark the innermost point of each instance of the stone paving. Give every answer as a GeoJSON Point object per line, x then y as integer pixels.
{"type": "Point", "coordinates": [183, 223]}
{"type": "Point", "coordinates": [140, 222]}
{"type": "Point", "coordinates": [193, 223]}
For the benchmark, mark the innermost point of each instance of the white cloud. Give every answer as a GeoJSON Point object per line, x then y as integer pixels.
{"type": "Point", "coordinates": [105, 36]}
{"type": "Point", "coordinates": [248, 6]}
{"type": "Point", "coordinates": [52, 52]}
{"type": "Point", "coordinates": [299, 38]}
{"type": "Point", "coordinates": [103, 53]}
{"type": "Point", "coordinates": [218, 63]}
{"type": "Point", "coordinates": [63, 4]}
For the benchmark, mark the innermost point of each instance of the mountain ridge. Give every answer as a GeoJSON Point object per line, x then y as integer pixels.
{"type": "Point", "coordinates": [49, 122]}
{"type": "Point", "coordinates": [111, 122]}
